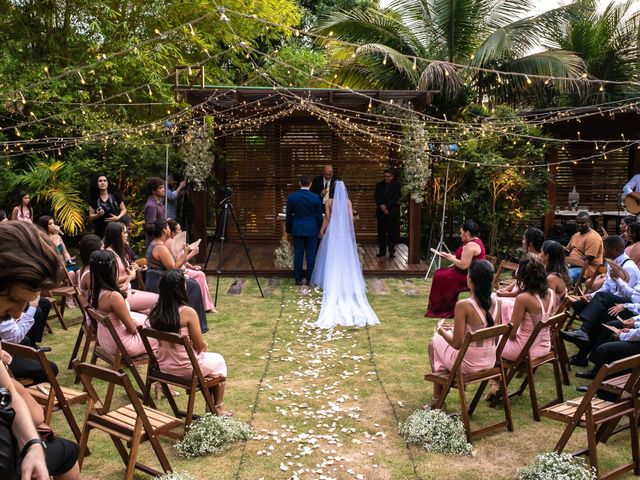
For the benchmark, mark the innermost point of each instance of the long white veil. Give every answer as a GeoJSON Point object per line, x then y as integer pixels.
{"type": "Point", "coordinates": [338, 271]}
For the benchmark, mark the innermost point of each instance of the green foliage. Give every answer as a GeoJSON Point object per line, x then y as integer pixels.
{"type": "Point", "coordinates": [554, 466]}
{"type": "Point", "coordinates": [175, 476]}
{"type": "Point", "coordinates": [292, 67]}
{"type": "Point", "coordinates": [436, 432]}
{"type": "Point", "coordinates": [212, 434]}
{"type": "Point", "coordinates": [54, 182]}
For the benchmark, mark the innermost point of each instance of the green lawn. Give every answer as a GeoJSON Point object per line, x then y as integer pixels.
{"type": "Point", "coordinates": [328, 403]}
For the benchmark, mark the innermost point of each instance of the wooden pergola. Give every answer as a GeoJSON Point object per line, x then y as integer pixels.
{"type": "Point", "coordinates": [270, 137]}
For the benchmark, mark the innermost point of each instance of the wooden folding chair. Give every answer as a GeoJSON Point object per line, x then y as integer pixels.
{"type": "Point", "coordinates": [194, 383]}
{"type": "Point", "coordinates": [455, 379]}
{"type": "Point", "coordinates": [597, 416]}
{"type": "Point", "coordinates": [120, 359]}
{"type": "Point", "coordinates": [491, 259]}
{"type": "Point", "coordinates": [142, 263]}
{"type": "Point", "coordinates": [504, 266]}
{"type": "Point", "coordinates": [529, 365]}
{"type": "Point", "coordinates": [133, 423]}
{"type": "Point", "coordinates": [83, 332]}
{"type": "Point", "coordinates": [58, 297]}
{"type": "Point", "coordinates": [50, 394]}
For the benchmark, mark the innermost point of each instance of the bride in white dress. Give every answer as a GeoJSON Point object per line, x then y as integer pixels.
{"type": "Point", "coordinates": [337, 269]}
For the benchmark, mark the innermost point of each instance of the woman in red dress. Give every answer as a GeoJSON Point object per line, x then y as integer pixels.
{"type": "Point", "coordinates": [448, 282]}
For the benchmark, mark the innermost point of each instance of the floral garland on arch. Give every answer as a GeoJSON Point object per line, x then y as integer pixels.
{"type": "Point", "coordinates": [198, 157]}
{"type": "Point", "coordinates": [414, 151]}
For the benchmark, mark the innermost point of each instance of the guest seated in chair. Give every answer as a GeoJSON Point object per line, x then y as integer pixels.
{"type": "Point", "coordinates": [448, 282]}
{"type": "Point", "coordinates": [173, 314]}
{"type": "Point", "coordinates": [192, 271]}
{"type": "Point", "coordinates": [160, 259]}
{"type": "Point", "coordinates": [531, 243]}
{"type": "Point", "coordinates": [88, 244]}
{"type": "Point", "coordinates": [585, 246]}
{"type": "Point", "coordinates": [600, 307]}
{"type": "Point", "coordinates": [553, 258]}
{"type": "Point", "coordinates": [107, 298]}
{"type": "Point", "coordinates": [474, 313]}
{"type": "Point", "coordinates": [115, 239]}
{"type": "Point", "coordinates": [633, 242]}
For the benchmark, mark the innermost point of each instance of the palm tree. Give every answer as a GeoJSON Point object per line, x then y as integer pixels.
{"type": "Point", "coordinates": [477, 33]}
{"type": "Point", "coordinates": [53, 182]}
{"type": "Point", "coordinates": [607, 42]}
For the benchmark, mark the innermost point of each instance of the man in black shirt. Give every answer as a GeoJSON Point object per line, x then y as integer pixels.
{"type": "Point", "coordinates": [323, 185]}
{"type": "Point", "coordinates": [387, 212]}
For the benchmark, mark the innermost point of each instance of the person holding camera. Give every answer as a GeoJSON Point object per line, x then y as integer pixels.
{"type": "Point", "coordinates": [104, 205]}
{"type": "Point", "coordinates": [30, 263]}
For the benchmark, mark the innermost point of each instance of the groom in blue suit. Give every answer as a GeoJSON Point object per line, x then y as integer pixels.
{"type": "Point", "coordinates": [304, 219]}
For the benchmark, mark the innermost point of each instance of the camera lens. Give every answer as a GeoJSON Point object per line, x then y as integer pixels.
{"type": "Point", "coordinates": [5, 398]}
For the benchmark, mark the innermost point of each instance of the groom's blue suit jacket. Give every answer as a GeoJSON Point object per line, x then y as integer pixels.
{"type": "Point", "coordinates": [304, 214]}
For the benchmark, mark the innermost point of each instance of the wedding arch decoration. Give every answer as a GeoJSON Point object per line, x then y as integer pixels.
{"type": "Point", "coordinates": [198, 155]}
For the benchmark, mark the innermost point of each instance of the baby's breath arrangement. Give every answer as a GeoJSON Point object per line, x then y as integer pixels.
{"type": "Point", "coordinates": [436, 432]}
{"type": "Point", "coordinates": [283, 256]}
{"type": "Point", "coordinates": [212, 434]}
{"type": "Point", "coordinates": [360, 253]}
{"type": "Point", "coordinates": [554, 466]}
{"type": "Point", "coordinates": [198, 155]}
{"type": "Point", "coordinates": [175, 476]}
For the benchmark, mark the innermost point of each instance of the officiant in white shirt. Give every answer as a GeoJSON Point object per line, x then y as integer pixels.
{"type": "Point", "coordinates": [324, 184]}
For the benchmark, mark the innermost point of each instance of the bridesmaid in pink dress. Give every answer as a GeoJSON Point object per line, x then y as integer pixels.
{"type": "Point", "coordinates": [448, 282]}
{"type": "Point", "coordinates": [553, 257]}
{"type": "Point", "coordinates": [107, 299]}
{"type": "Point", "coordinates": [535, 303]}
{"type": "Point", "coordinates": [115, 239]}
{"type": "Point", "coordinates": [172, 314]}
{"type": "Point", "coordinates": [192, 271]}
{"type": "Point", "coordinates": [472, 314]}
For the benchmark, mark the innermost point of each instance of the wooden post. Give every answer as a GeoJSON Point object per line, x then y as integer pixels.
{"type": "Point", "coordinates": [550, 217]}
{"type": "Point", "coordinates": [415, 227]}
{"type": "Point", "coordinates": [199, 200]}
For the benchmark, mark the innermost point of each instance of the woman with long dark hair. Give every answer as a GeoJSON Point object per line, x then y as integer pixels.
{"type": "Point", "coordinates": [173, 314]}
{"type": "Point", "coordinates": [105, 296]}
{"type": "Point", "coordinates": [160, 259]}
{"type": "Point", "coordinates": [23, 211]}
{"type": "Point", "coordinates": [46, 223]}
{"type": "Point", "coordinates": [448, 282]}
{"type": "Point", "coordinates": [478, 311]}
{"type": "Point", "coordinates": [534, 303]}
{"type": "Point", "coordinates": [192, 271]}
{"type": "Point", "coordinates": [553, 257]}
{"type": "Point", "coordinates": [105, 206]}
{"type": "Point", "coordinates": [88, 244]}
{"type": "Point", "coordinates": [115, 239]}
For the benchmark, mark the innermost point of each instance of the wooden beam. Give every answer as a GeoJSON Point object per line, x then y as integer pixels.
{"type": "Point", "coordinates": [550, 217]}
{"type": "Point", "coordinates": [415, 230]}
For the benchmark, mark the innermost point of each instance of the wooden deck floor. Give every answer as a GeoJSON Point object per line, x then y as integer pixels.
{"type": "Point", "coordinates": [235, 261]}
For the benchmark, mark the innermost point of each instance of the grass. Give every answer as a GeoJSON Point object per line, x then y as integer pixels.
{"type": "Point", "coordinates": [328, 403]}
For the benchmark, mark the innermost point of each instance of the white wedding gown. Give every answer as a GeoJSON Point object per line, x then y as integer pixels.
{"type": "Point", "coordinates": [338, 272]}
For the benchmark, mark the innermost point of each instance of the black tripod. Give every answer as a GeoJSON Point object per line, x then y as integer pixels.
{"type": "Point", "coordinates": [226, 206]}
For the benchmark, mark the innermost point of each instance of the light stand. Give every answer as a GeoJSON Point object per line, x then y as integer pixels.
{"type": "Point", "coordinates": [226, 207]}
{"type": "Point", "coordinates": [441, 245]}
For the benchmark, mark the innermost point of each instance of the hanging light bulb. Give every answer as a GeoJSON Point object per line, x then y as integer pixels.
{"type": "Point", "coordinates": [415, 63]}
{"type": "Point", "coordinates": [81, 78]}
{"type": "Point", "coordinates": [193, 32]}
{"type": "Point", "coordinates": [528, 80]}
{"type": "Point", "coordinates": [223, 16]}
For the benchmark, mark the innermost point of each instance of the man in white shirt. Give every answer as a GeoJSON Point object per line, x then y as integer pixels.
{"type": "Point", "coordinates": [632, 185]}
{"type": "Point", "coordinates": [595, 309]}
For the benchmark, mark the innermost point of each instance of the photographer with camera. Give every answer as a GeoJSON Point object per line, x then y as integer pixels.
{"type": "Point", "coordinates": [105, 206]}
{"type": "Point", "coordinates": [30, 263]}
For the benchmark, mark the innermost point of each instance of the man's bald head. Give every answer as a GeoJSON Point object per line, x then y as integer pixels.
{"type": "Point", "coordinates": [327, 172]}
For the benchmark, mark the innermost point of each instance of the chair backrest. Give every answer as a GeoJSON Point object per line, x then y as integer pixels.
{"type": "Point", "coordinates": [630, 389]}
{"type": "Point", "coordinates": [176, 340]}
{"type": "Point", "coordinates": [29, 353]}
{"type": "Point", "coordinates": [87, 372]}
{"type": "Point", "coordinates": [499, 333]}
{"type": "Point", "coordinates": [553, 324]}
{"type": "Point", "coordinates": [105, 321]}
{"type": "Point", "coordinates": [503, 266]}
{"type": "Point", "coordinates": [491, 259]}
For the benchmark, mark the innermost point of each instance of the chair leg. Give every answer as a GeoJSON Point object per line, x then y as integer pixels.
{"type": "Point", "coordinates": [140, 382]}
{"type": "Point", "coordinates": [60, 312]}
{"type": "Point", "coordinates": [563, 358]}
{"type": "Point", "coordinates": [157, 448]}
{"type": "Point", "coordinates": [76, 347]}
{"type": "Point", "coordinates": [558, 379]}
{"type": "Point", "coordinates": [133, 451]}
{"type": "Point", "coordinates": [591, 442]}
{"type": "Point", "coordinates": [108, 397]}
{"type": "Point", "coordinates": [532, 392]}
{"type": "Point", "coordinates": [84, 438]}
{"type": "Point", "coordinates": [191, 403]}
{"type": "Point", "coordinates": [464, 409]}
{"type": "Point", "coordinates": [511, 373]}
{"type": "Point", "coordinates": [477, 396]}
{"type": "Point", "coordinates": [506, 402]}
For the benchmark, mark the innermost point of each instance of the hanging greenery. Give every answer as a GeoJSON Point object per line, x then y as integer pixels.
{"type": "Point", "coordinates": [198, 155]}
{"type": "Point", "coordinates": [283, 256]}
{"type": "Point", "coordinates": [416, 170]}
